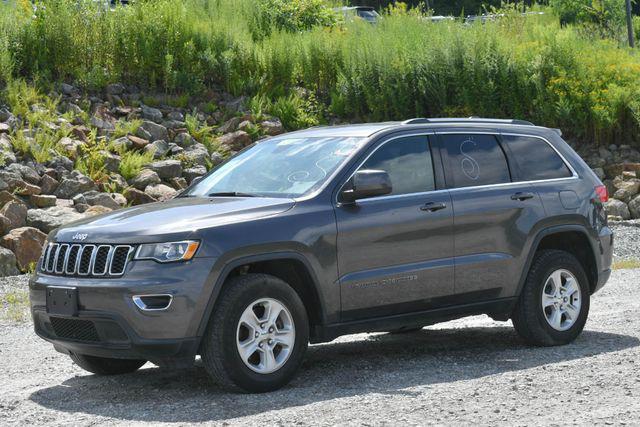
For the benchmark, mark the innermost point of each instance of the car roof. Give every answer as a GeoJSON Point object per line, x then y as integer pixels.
{"type": "Point", "coordinates": [365, 130]}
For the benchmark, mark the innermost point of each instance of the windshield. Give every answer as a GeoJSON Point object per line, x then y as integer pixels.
{"type": "Point", "coordinates": [278, 167]}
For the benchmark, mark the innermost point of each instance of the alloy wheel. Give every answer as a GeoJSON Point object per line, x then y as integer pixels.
{"type": "Point", "coordinates": [265, 335]}
{"type": "Point", "coordinates": [561, 300]}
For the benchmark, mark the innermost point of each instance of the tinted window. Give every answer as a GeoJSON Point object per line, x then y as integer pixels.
{"type": "Point", "coordinates": [535, 159]}
{"type": "Point", "coordinates": [408, 163]}
{"type": "Point", "coordinates": [475, 160]}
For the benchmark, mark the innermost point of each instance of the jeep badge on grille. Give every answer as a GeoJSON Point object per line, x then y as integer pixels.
{"type": "Point", "coordinates": [79, 236]}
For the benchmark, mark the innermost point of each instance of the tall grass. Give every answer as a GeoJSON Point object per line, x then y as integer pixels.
{"type": "Point", "coordinates": [403, 67]}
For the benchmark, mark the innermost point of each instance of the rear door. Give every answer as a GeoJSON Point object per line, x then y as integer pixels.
{"type": "Point", "coordinates": [493, 215]}
{"type": "Point", "coordinates": [395, 252]}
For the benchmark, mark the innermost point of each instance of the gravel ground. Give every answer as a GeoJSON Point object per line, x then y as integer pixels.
{"type": "Point", "coordinates": [626, 240]}
{"type": "Point", "coordinates": [470, 371]}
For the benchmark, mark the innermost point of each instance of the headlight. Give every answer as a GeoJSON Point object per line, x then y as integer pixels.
{"type": "Point", "coordinates": [168, 252]}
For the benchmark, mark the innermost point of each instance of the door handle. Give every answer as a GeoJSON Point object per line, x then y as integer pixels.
{"type": "Point", "coordinates": [522, 196]}
{"type": "Point", "coordinates": [433, 206]}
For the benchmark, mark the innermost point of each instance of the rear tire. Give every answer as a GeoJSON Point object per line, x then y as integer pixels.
{"type": "Point", "coordinates": [263, 317]}
{"type": "Point", "coordinates": [106, 366]}
{"type": "Point", "coordinates": [554, 303]}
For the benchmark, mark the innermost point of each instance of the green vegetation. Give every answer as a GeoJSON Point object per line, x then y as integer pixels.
{"type": "Point", "coordinates": [305, 65]}
{"type": "Point", "coordinates": [132, 162]}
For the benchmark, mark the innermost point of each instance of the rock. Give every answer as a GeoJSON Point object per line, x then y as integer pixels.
{"type": "Point", "coordinates": [115, 89]}
{"type": "Point", "coordinates": [51, 218]}
{"type": "Point", "coordinates": [27, 189]}
{"type": "Point", "coordinates": [48, 184]}
{"type": "Point", "coordinates": [160, 192]}
{"type": "Point", "coordinates": [42, 201]}
{"type": "Point", "coordinates": [198, 155]}
{"type": "Point", "coordinates": [141, 133]}
{"type": "Point", "coordinates": [183, 139]}
{"type": "Point", "coordinates": [111, 161]}
{"type": "Point", "coordinates": [137, 142]}
{"type": "Point", "coordinates": [101, 124]}
{"type": "Point", "coordinates": [160, 148]}
{"type": "Point", "coordinates": [64, 203]}
{"type": "Point", "coordinates": [6, 197]}
{"type": "Point", "coordinates": [119, 182]}
{"type": "Point", "coordinates": [173, 124]}
{"type": "Point", "coordinates": [167, 168]}
{"type": "Point", "coordinates": [151, 113]}
{"type": "Point", "coordinates": [178, 183]}
{"type": "Point", "coordinates": [154, 130]}
{"type": "Point", "coordinates": [176, 115]}
{"type": "Point", "coordinates": [145, 178]}
{"type": "Point", "coordinates": [616, 169]}
{"type": "Point", "coordinates": [95, 198]}
{"type": "Point", "coordinates": [81, 207]}
{"type": "Point", "coordinates": [634, 207]}
{"type": "Point", "coordinates": [625, 190]}
{"type": "Point", "coordinates": [119, 199]}
{"type": "Point", "coordinates": [272, 127]}
{"type": "Point", "coordinates": [137, 197]}
{"type": "Point", "coordinates": [122, 143]}
{"type": "Point", "coordinates": [70, 146]}
{"type": "Point", "coordinates": [12, 215]}
{"type": "Point", "coordinates": [245, 125]}
{"type": "Point", "coordinates": [26, 243]}
{"type": "Point", "coordinates": [5, 128]}
{"type": "Point", "coordinates": [616, 207]}
{"type": "Point", "coordinates": [97, 210]}
{"type": "Point", "coordinates": [61, 162]}
{"type": "Point", "coordinates": [628, 175]}
{"type": "Point", "coordinates": [236, 105]}
{"type": "Point", "coordinates": [194, 172]}
{"type": "Point", "coordinates": [68, 89]}
{"type": "Point", "coordinates": [25, 172]}
{"type": "Point", "coordinates": [8, 263]}
{"type": "Point", "coordinates": [216, 158]}
{"type": "Point", "coordinates": [235, 141]}
{"type": "Point", "coordinates": [230, 125]}
{"type": "Point", "coordinates": [75, 184]}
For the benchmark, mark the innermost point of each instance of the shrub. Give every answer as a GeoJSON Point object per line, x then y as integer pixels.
{"type": "Point", "coordinates": [132, 162]}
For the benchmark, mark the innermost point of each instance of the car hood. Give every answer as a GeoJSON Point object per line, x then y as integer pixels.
{"type": "Point", "coordinates": [179, 218]}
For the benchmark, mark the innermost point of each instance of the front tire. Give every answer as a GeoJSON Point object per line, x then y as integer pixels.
{"type": "Point", "coordinates": [106, 366]}
{"type": "Point", "coordinates": [257, 334]}
{"type": "Point", "coordinates": [554, 303]}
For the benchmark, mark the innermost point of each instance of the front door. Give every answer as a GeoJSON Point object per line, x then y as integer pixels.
{"type": "Point", "coordinates": [395, 252]}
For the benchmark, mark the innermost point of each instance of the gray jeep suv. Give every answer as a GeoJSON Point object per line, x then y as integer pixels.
{"type": "Point", "coordinates": [330, 231]}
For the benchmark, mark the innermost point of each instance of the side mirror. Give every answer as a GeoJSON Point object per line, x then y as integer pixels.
{"type": "Point", "coordinates": [366, 184]}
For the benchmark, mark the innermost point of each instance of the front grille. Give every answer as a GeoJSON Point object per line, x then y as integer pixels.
{"type": "Point", "coordinates": [64, 259]}
{"type": "Point", "coordinates": [74, 329]}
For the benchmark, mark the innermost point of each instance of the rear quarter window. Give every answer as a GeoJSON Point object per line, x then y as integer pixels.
{"type": "Point", "coordinates": [534, 158]}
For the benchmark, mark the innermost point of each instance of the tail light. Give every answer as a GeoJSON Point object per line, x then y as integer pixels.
{"type": "Point", "coordinates": [602, 193]}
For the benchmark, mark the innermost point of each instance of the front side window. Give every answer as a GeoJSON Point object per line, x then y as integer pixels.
{"type": "Point", "coordinates": [534, 158]}
{"type": "Point", "coordinates": [475, 160]}
{"type": "Point", "coordinates": [408, 162]}
{"type": "Point", "coordinates": [279, 167]}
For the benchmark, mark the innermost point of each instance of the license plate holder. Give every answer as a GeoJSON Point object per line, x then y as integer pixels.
{"type": "Point", "coordinates": [62, 300]}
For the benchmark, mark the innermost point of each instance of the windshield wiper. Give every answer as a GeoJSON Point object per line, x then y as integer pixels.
{"type": "Point", "coordinates": [230, 194]}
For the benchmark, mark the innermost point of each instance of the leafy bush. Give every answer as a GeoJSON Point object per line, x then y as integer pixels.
{"type": "Point", "coordinates": [292, 15]}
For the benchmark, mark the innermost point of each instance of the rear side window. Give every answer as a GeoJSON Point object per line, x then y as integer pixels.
{"type": "Point", "coordinates": [408, 163]}
{"type": "Point", "coordinates": [475, 160]}
{"type": "Point", "coordinates": [535, 159]}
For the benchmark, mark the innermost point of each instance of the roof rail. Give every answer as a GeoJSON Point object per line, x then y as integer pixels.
{"type": "Point", "coordinates": [418, 121]}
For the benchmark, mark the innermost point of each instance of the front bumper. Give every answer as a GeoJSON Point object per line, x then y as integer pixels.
{"type": "Point", "coordinates": [108, 322]}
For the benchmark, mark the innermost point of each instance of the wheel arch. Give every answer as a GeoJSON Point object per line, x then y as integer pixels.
{"type": "Point", "coordinates": [574, 239]}
{"type": "Point", "coordinates": [291, 267]}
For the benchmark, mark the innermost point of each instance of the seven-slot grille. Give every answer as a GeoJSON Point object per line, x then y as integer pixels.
{"type": "Point", "coordinates": [72, 259]}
